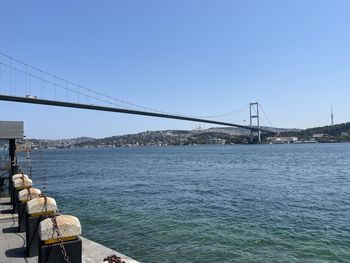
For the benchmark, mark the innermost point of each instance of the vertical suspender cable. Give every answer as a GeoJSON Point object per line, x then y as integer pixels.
{"type": "Point", "coordinates": [265, 115]}
{"type": "Point", "coordinates": [41, 85]}
{"type": "Point", "coordinates": [55, 88]}
{"type": "Point", "coordinates": [11, 77]}
{"type": "Point", "coordinates": [67, 90]}
{"type": "Point", "coordinates": [29, 83]}
{"type": "Point", "coordinates": [0, 76]}
{"type": "Point", "coordinates": [41, 88]}
{"type": "Point", "coordinates": [14, 82]}
{"type": "Point", "coordinates": [78, 93]}
{"type": "Point", "coordinates": [43, 95]}
{"type": "Point", "coordinates": [88, 98]}
{"type": "Point", "coordinates": [26, 80]}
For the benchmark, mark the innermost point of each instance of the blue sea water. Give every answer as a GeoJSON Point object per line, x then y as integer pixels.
{"type": "Point", "coordinates": [239, 203]}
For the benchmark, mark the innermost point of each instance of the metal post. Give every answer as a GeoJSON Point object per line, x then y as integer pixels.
{"type": "Point", "coordinates": [251, 123]}
{"type": "Point", "coordinates": [13, 165]}
{"type": "Point", "coordinates": [258, 119]}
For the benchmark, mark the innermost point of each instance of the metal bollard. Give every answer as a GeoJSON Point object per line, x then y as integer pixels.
{"type": "Point", "coordinates": [19, 184]}
{"type": "Point", "coordinates": [38, 209]}
{"type": "Point", "coordinates": [12, 187]}
{"type": "Point", "coordinates": [59, 240]}
{"type": "Point", "coordinates": [24, 196]}
{"type": "Point", "coordinates": [14, 170]}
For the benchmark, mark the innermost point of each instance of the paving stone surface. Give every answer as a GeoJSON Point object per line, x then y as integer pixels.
{"type": "Point", "coordinates": [12, 244]}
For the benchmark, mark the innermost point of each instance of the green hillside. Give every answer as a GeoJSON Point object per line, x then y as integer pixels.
{"type": "Point", "coordinates": [337, 132]}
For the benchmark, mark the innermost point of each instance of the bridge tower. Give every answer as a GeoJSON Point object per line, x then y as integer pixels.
{"type": "Point", "coordinates": [254, 118]}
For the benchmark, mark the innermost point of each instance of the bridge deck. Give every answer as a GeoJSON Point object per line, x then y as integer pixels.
{"type": "Point", "coordinates": [12, 244]}
{"type": "Point", "coordinates": [122, 110]}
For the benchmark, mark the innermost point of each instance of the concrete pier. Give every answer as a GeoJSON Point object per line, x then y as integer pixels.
{"type": "Point", "coordinates": [12, 243]}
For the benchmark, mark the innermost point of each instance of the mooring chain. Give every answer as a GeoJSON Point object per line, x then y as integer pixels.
{"type": "Point", "coordinates": [30, 171]}
{"type": "Point", "coordinates": [29, 193]}
{"type": "Point", "coordinates": [14, 162]}
{"type": "Point", "coordinates": [54, 223]}
{"type": "Point", "coordinates": [45, 203]}
{"type": "Point", "coordinates": [63, 249]}
{"type": "Point", "coordinates": [113, 259]}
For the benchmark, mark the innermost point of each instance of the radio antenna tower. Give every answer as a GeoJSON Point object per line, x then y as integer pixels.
{"type": "Point", "coordinates": [332, 119]}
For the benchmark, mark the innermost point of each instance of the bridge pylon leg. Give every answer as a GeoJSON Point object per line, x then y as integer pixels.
{"type": "Point", "coordinates": [254, 106]}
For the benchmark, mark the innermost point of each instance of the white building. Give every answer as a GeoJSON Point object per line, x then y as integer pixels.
{"type": "Point", "coordinates": [281, 140]}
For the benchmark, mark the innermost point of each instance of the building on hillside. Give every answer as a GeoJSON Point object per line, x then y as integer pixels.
{"type": "Point", "coordinates": [283, 140]}
{"type": "Point", "coordinates": [319, 135]}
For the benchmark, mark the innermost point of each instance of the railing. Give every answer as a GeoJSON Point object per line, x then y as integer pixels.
{"type": "Point", "coordinates": [5, 166]}
{"type": "Point", "coordinates": [5, 163]}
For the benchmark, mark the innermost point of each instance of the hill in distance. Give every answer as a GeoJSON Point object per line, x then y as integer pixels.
{"type": "Point", "coordinates": [215, 135]}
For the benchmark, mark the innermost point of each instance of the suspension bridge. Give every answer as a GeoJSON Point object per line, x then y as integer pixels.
{"type": "Point", "coordinates": [25, 83]}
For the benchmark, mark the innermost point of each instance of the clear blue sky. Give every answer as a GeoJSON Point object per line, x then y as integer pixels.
{"type": "Point", "coordinates": [196, 57]}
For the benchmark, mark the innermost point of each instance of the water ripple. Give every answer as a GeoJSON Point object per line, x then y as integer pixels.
{"type": "Point", "coordinates": [262, 203]}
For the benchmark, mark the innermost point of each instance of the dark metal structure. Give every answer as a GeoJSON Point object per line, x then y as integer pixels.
{"type": "Point", "coordinates": [121, 110]}
{"type": "Point", "coordinates": [11, 131]}
{"type": "Point", "coordinates": [254, 115]}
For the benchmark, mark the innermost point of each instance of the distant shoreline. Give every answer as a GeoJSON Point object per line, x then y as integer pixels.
{"type": "Point", "coordinates": [171, 146]}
